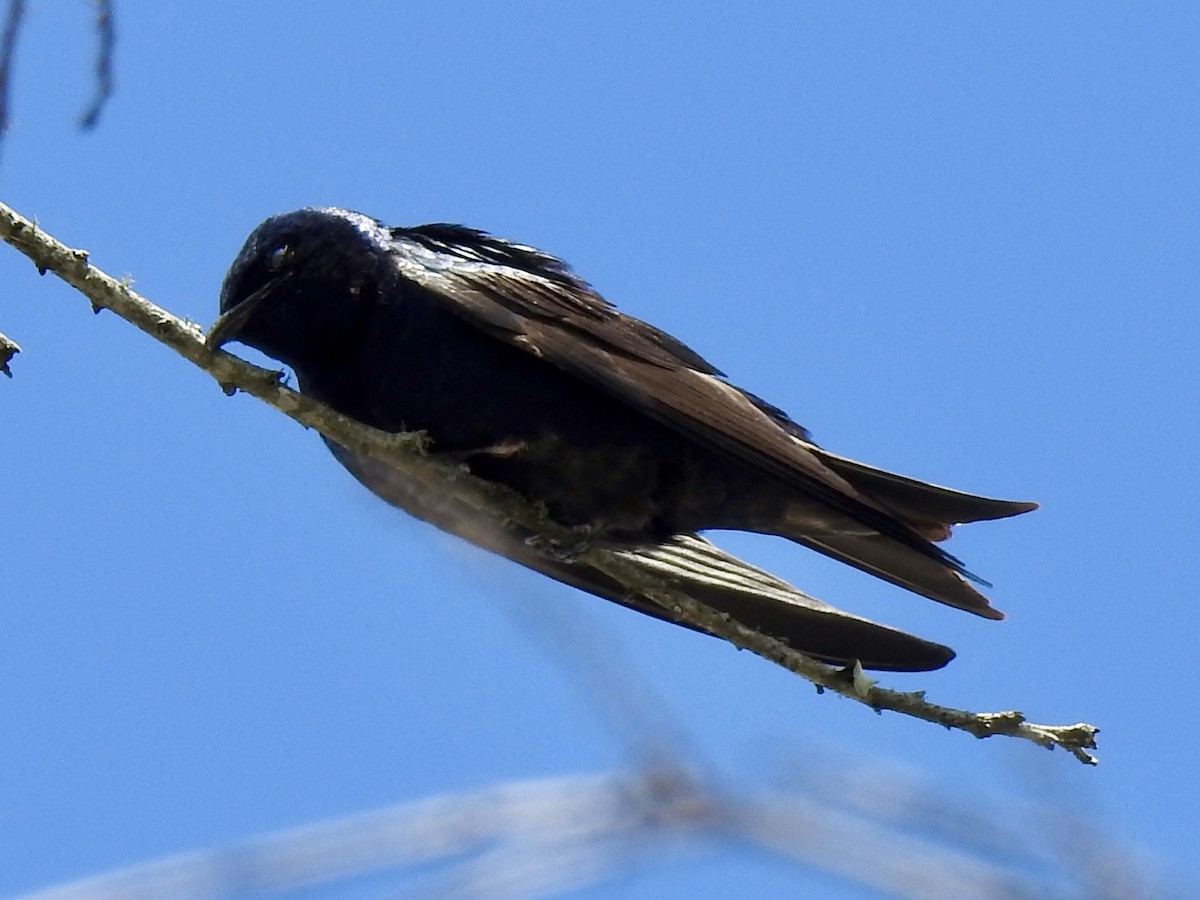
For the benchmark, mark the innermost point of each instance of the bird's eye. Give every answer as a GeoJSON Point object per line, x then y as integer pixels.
{"type": "Point", "coordinates": [279, 257]}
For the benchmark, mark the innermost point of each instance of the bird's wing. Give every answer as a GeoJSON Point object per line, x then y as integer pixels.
{"type": "Point", "coordinates": [532, 301]}
{"type": "Point", "coordinates": [688, 563]}
{"type": "Point", "coordinates": [768, 604]}
{"type": "Point", "coordinates": [524, 300]}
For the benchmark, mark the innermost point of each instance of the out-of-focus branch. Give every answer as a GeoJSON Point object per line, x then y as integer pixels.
{"type": "Point", "coordinates": [106, 40]}
{"type": "Point", "coordinates": [546, 837]}
{"type": "Point", "coordinates": [8, 46]}
{"type": "Point", "coordinates": [579, 809]}
{"type": "Point", "coordinates": [405, 453]}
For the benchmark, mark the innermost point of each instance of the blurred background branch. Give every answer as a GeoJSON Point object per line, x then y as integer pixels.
{"type": "Point", "coordinates": [892, 833]}
{"type": "Point", "coordinates": [8, 49]}
{"type": "Point", "coordinates": [106, 41]}
{"type": "Point", "coordinates": [105, 50]}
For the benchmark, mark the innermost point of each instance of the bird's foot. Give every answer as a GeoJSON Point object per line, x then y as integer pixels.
{"type": "Point", "coordinates": [856, 679]}
{"type": "Point", "coordinates": [566, 549]}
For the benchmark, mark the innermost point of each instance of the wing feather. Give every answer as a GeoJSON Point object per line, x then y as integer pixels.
{"type": "Point", "coordinates": [528, 302]}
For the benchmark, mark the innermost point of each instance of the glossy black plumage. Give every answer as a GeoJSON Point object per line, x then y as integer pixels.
{"type": "Point", "coordinates": [519, 370]}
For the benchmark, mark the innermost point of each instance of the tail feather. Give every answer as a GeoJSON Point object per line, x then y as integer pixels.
{"type": "Point", "coordinates": [920, 501]}
{"type": "Point", "coordinates": [902, 565]}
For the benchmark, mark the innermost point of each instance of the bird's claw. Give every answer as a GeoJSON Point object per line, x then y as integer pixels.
{"type": "Point", "coordinates": [568, 549]}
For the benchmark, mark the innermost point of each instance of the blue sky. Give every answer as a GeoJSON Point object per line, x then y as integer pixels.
{"type": "Point", "coordinates": [955, 240]}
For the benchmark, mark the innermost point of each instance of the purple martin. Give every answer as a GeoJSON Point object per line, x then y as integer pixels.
{"type": "Point", "coordinates": [518, 370]}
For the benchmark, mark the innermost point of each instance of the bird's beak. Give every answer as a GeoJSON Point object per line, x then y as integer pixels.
{"type": "Point", "coordinates": [230, 323]}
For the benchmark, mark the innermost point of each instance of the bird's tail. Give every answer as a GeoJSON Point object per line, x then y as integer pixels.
{"type": "Point", "coordinates": [931, 511]}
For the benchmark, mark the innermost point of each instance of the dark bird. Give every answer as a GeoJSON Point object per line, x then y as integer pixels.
{"type": "Point", "coordinates": [518, 370]}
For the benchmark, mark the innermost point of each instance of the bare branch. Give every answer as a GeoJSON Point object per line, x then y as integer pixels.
{"type": "Point", "coordinates": [405, 452]}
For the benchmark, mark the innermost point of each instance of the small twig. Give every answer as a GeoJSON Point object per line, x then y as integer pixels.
{"type": "Point", "coordinates": [852, 683]}
{"type": "Point", "coordinates": [405, 452]}
{"type": "Point", "coordinates": [106, 39]}
{"type": "Point", "coordinates": [8, 349]}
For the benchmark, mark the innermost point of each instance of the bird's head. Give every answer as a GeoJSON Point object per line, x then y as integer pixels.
{"type": "Point", "coordinates": [300, 284]}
